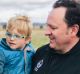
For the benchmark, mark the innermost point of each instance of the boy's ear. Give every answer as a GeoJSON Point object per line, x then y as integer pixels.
{"type": "Point", "coordinates": [28, 40]}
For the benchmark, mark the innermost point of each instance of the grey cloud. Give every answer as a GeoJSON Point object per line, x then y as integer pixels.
{"type": "Point", "coordinates": [28, 5]}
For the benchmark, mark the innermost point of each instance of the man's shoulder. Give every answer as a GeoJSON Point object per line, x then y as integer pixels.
{"type": "Point", "coordinates": [41, 52]}
{"type": "Point", "coordinates": [43, 48]}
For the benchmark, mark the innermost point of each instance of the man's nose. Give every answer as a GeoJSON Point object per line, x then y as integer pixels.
{"type": "Point", "coordinates": [47, 31]}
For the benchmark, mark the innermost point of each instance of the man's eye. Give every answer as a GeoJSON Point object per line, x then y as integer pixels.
{"type": "Point", "coordinates": [54, 28]}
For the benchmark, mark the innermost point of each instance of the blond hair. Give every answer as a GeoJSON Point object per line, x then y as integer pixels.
{"type": "Point", "coordinates": [21, 23]}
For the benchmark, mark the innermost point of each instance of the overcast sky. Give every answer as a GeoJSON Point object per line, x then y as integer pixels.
{"type": "Point", "coordinates": [36, 9]}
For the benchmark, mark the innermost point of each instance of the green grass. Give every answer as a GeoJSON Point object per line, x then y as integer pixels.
{"type": "Point", "coordinates": [38, 37]}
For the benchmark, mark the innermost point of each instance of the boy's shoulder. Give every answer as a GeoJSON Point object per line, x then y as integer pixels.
{"type": "Point", "coordinates": [30, 47]}
{"type": "Point", "coordinates": [1, 39]}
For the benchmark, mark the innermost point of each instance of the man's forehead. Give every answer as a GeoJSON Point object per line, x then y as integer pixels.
{"type": "Point", "coordinates": [57, 13]}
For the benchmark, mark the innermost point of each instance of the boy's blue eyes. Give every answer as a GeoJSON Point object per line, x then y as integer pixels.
{"type": "Point", "coordinates": [15, 36]}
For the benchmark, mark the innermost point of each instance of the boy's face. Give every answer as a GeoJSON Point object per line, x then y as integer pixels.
{"type": "Point", "coordinates": [15, 40]}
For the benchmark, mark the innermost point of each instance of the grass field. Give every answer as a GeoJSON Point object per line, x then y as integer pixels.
{"type": "Point", "coordinates": [38, 37]}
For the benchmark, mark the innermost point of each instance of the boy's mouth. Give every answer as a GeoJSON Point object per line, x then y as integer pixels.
{"type": "Point", "coordinates": [10, 43]}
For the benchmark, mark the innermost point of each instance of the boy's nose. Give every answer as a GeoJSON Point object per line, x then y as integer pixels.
{"type": "Point", "coordinates": [12, 38]}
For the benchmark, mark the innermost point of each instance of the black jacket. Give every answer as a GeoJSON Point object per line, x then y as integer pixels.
{"type": "Point", "coordinates": [47, 61]}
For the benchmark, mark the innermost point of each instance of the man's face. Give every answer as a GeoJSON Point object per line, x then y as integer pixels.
{"type": "Point", "coordinates": [57, 30]}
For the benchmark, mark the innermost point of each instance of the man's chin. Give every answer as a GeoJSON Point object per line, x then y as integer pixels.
{"type": "Point", "coordinates": [51, 45]}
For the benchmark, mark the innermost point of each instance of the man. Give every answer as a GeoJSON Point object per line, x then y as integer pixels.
{"type": "Point", "coordinates": [62, 54]}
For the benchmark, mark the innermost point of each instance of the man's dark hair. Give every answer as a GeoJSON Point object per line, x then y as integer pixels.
{"type": "Point", "coordinates": [72, 15]}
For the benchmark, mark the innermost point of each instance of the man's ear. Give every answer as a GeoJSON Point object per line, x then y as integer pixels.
{"type": "Point", "coordinates": [75, 29]}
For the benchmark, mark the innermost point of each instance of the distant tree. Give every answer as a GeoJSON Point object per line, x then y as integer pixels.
{"type": "Point", "coordinates": [4, 26]}
{"type": "Point", "coordinates": [41, 26]}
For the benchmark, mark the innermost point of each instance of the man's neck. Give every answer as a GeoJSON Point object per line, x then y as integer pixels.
{"type": "Point", "coordinates": [69, 46]}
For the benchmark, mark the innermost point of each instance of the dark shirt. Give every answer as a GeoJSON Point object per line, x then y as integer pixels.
{"type": "Point", "coordinates": [47, 61]}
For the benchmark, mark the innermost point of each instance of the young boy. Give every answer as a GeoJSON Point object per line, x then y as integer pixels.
{"type": "Point", "coordinates": [16, 49]}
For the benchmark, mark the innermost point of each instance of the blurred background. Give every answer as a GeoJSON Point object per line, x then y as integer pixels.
{"type": "Point", "coordinates": [37, 10]}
